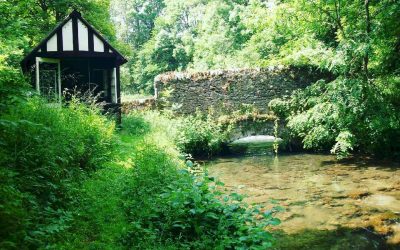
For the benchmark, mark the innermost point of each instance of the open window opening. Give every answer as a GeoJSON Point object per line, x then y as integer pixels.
{"type": "Point", "coordinates": [48, 78]}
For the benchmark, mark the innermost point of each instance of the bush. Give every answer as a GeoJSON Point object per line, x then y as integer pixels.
{"type": "Point", "coordinates": [44, 148]}
{"type": "Point", "coordinates": [200, 135]}
{"type": "Point", "coordinates": [344, 116]}
{"type": "Point", "coordinates": [167, 206]}
{"type": "Point", "coordinates": [279, 107]}
{"type": "Point", "coordinates": [13, 88]}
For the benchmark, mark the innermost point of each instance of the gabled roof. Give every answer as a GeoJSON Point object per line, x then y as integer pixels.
{"type": "Point", "coordinates": [73, 37]}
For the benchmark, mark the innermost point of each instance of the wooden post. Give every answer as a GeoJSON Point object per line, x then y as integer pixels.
{"type": "Point", "coordinates": [37, 75]}
{"type": "Point", "coordinates": [59, 81]}
{"type": "Point", "coordinates": [118, 95]}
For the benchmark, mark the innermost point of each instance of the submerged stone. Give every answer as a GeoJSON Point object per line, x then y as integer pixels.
{"type": "Point", "coordinates": [257, 144]}
{"type": "Point", "coordinates": [383, 201]}
{"type": "Point", "coordinates": [256, 139]}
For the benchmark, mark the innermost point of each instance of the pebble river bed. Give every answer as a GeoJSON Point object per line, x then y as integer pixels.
{"type": "Point", "coordinates": [328, 204]}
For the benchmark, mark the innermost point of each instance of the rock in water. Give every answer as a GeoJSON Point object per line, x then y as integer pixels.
{"type": "Point", "coordinates": [256, 139]}
{"type": "Point", "coordinates": [257, 144]}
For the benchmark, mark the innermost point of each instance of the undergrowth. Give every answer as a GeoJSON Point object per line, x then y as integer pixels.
{"type": "Point", "coordinates": [200, 135]}
{"type": "Point", "coordinates": [208, 134]}
{"type": "Point", "coordinates": [70, 181]}
{"type": "Point", "coordinates": [45, 150]}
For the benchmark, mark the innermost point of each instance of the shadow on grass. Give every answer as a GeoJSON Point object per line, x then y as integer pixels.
{"type": "Point", "coordinates": [342, 238]}
{"type": "Point", "coordinates": [135, 125]}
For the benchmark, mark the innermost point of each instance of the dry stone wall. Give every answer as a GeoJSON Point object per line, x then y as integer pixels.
{"type": "Point", "coordinates": [227, 90]}
{"type": "Point", "coordinates": [139, 104]}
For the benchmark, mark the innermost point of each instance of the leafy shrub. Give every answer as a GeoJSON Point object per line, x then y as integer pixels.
{"type": "Point", "coordinates": [200, 135]}
{"type": "Point", "coordinates": [168, 206]}
{"type": "Point", "coordinates": [12, 88]}
{"type": "Point", "coordinates": [208, 134]}
{"type": "Point", "coordinates": [279, 107]}
{"type": "Point", "coordinates": [244, 113]}
{"type": "Point", "coordinates": [344, 115]}
{"type": "Point", "coordinates": [344, 144]}
{"type": "Point", "coordinates": [44, 148]}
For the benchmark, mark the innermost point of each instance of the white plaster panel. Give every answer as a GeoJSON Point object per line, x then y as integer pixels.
{"type": "Point", "coordinates": [98, 45]}
{"type": "Point", "coordinates": [52, 43]}
{"type": "Point", "coordinates": [83, 36]}
{"type": "Point", "coordinates": [68, 44]}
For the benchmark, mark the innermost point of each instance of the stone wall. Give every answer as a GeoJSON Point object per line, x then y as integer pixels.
{"type": "Point", "coordinates": [227, 90]}
{"type": "Point", "coordinates": [139, 104]}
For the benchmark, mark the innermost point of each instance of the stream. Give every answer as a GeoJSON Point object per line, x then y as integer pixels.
{"type": "Point", "coordinates": [328, 204]}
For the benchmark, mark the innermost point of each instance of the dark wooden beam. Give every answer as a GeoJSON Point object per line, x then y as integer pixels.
{"type": "Point", "coordinates": [59, 40]}
{"type": "Point", "coordinates": [77, 54]}
{"type": "Point", "coordinates": [44, 47]}
{"type": "Point", "coordinates": [75, 37]}
{"type": "Point", "coordinates": [118, 75]}
{"type": "Point", "coordinates": [90, 38]}
{"type": "Point", "coordinates": [119, 111]}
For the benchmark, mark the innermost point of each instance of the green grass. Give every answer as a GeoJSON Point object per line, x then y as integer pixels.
{"type": "Point", "coordinates": [100, 218]}
{"type": "Point", "coordinates": [45, 152]}
{"type": "Point", "coordinates": [73, 182]}
{"type": "Point", "coordinates": [99, 215]}
{"type": "Point", "coordinates": [145, 199]}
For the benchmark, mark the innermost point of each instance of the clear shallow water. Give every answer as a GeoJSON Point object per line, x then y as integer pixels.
{"type": "Point", "coordinates": [357, 200]}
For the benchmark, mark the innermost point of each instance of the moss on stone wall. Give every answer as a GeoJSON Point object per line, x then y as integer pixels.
{"type": "Point", "coordinates": [226, 90]}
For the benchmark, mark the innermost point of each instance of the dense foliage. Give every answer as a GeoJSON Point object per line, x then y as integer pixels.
{"type": "Point", "coordinates": [147, 199]}
{"type": "Point", "coordinates": [357, 41]}
{"type": "Point", "coordinates": [44, 149]}
{"type": "Point", "coordinates": [201, 135]}
{"type": "Point", "coordinates": [165, 202]}
{"type": "Point", "coordinates": [342, 116]}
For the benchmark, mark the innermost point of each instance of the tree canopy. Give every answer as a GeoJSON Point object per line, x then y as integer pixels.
{"type": "Point", "coordinates": [357, 41]}
{"type": "Point", "coordinates": [345, 37]}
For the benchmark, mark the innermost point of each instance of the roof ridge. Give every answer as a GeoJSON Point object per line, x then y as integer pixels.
{"type": "Point", "coordinates": [74, 14]}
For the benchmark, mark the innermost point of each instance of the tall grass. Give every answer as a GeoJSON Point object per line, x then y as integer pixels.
{"type": "Point", "coordinates": [44, 150]}
{"type": "Point", "coordinates": [146, 199]}
{"type": "Point", "coordinates": [166, 207]}
{"type": "Point", "coordinates": [69, 181]}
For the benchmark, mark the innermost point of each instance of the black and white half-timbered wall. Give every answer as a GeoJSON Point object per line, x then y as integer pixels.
{"type": "Point", "coordinates": [75, 57]}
